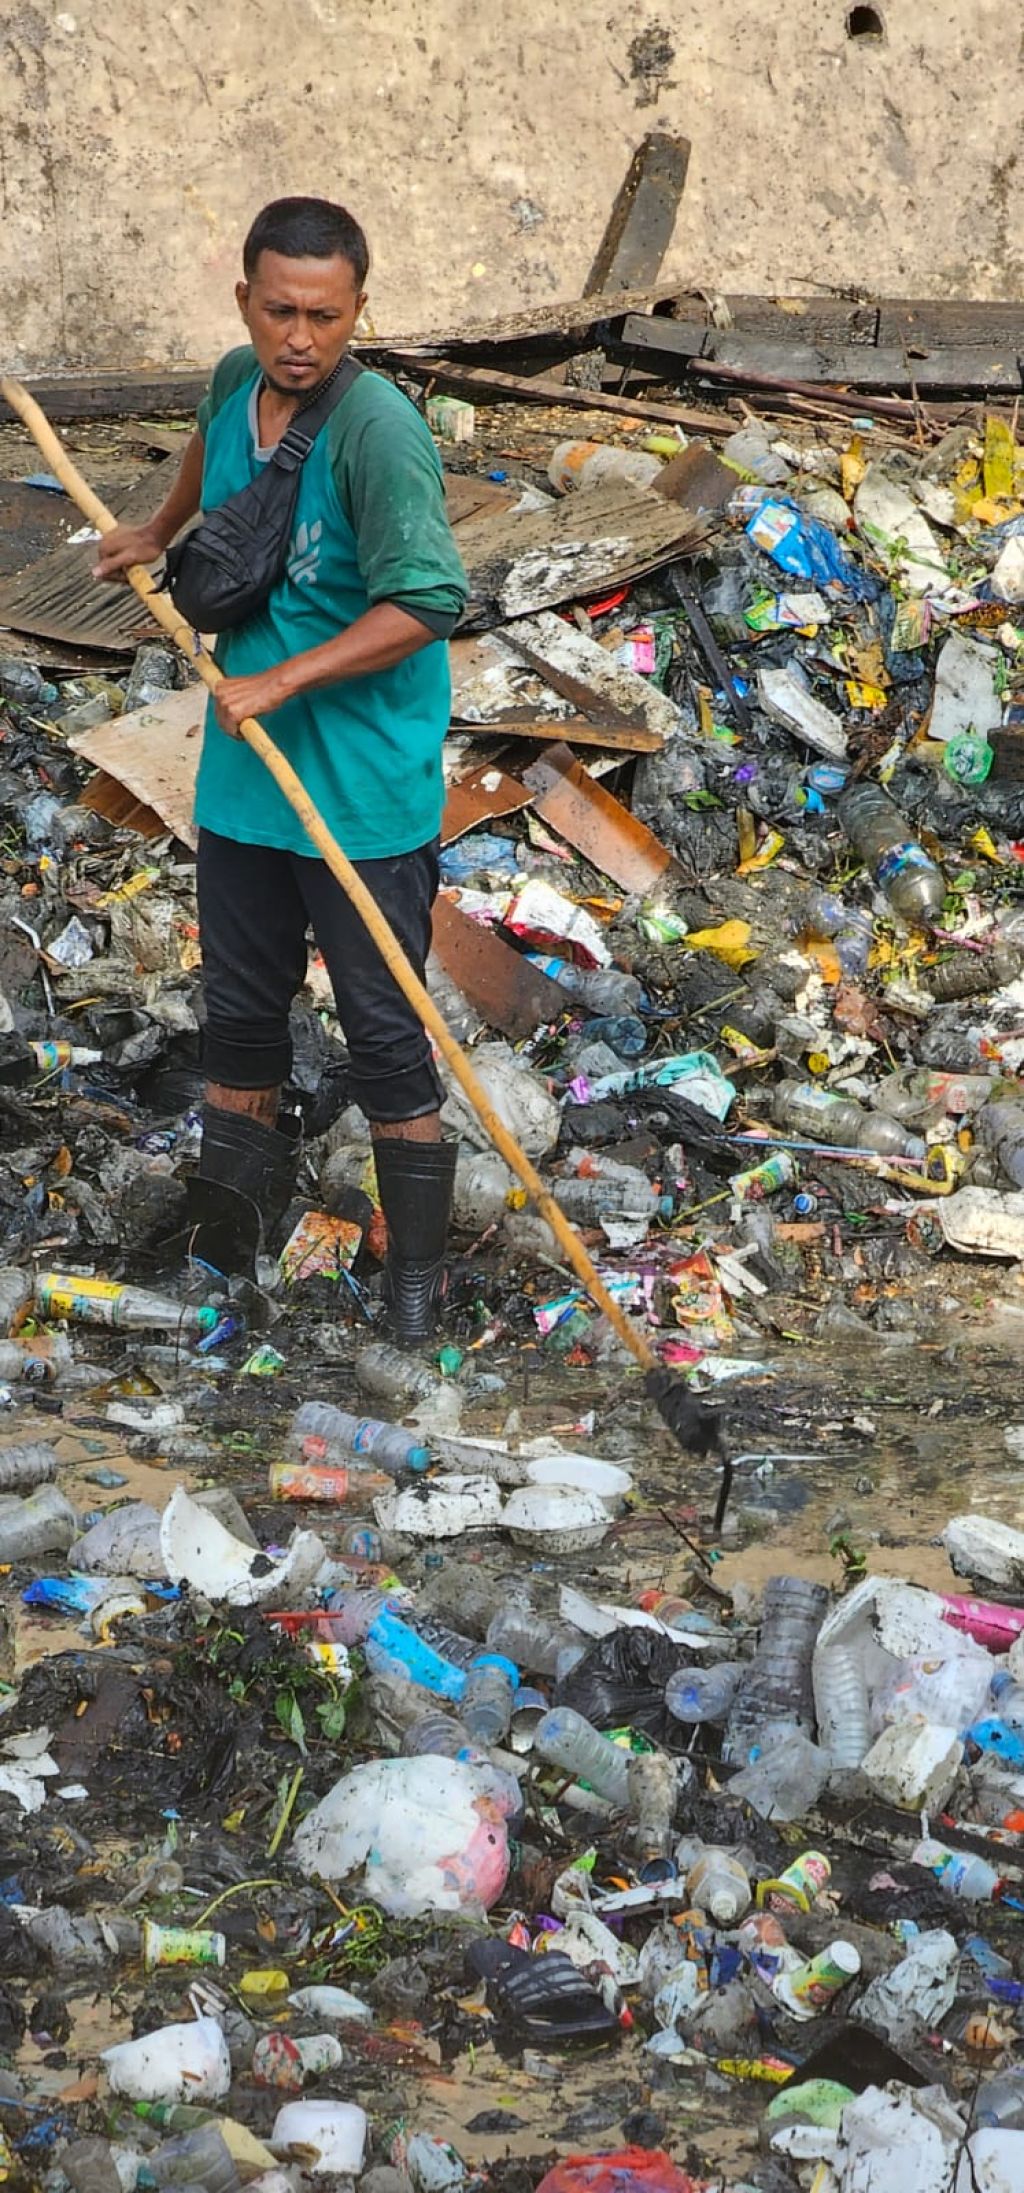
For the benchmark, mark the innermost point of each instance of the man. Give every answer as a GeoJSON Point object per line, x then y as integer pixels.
{"type": "Point", "coordinates": [347, 666]}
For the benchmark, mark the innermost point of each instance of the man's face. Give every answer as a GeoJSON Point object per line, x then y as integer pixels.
{"type": "Point", "coordinates": [301, 315]}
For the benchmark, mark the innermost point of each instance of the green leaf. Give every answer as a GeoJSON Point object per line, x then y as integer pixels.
{"type": "Point", "coordinates": [289, 1714]}
{"type": "Point", "coordinates": [331, 1716]}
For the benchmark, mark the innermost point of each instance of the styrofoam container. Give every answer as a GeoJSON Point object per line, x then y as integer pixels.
{"type": "Point", "coordinates": [978, 1546]}
{"type": "Point", "coordinates": [176, 2063]}
{"type": "Point", "coordinates": [197, 1550]}
{"type": "Point", "coordinates": [329, 2138]}
{"type": "Point", "coordinates": [556, 1517]}
{"type": "Point", "coordinates": [440, 1507]}
{"type": "Point", "coordinates": [914, 1764]}
{"type": "Point", "coordinates": [582, 1473]}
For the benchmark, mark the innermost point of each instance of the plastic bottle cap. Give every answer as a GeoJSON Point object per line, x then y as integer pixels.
{"type": "Point", "coordinates": [208, 1318]}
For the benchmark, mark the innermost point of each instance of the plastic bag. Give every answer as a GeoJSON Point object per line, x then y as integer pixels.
{"type": "Point", "coordinates": [622, 2170]}
{"type": "Point", "coordinates": [622, 1680]}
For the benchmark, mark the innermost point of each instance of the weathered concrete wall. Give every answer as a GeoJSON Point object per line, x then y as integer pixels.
{"type": "Point", "coordinates": [482, 145]}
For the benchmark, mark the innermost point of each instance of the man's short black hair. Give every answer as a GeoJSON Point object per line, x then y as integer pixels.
{"type": "Point", "coordinates": [307, 228]}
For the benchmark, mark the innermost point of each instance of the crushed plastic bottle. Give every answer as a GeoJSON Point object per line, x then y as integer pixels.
{"type": "Point", "coordinates": [913, 885]}
{"type": "Point", "coordinates": [569, 1742]}
{"type": "Point", "coordinates": [823, 1116]}
{"type": "Point", "coordinates": [776, 1687]}
{"type": "Point", "coordinates": [321, 1433]}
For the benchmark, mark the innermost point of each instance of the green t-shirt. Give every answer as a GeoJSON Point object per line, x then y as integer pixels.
{"type": "Point", "coordinates": [370, 526]}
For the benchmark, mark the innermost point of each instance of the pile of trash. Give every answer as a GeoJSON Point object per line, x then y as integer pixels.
{"type": "Point", "coordinates": [385, 1741]}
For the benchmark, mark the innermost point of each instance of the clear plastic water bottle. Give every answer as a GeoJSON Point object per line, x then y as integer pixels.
{"type": "Point", "coordinates": [473, 1594]}
{"type": "Point", "coordinates": [959, 1872]}
{"type": "Point", "coordinates": [126, 1309]}
{"type": "Point", "coordinates": [999, 2101]}
{"type": "Point", "coordinates": [43, 1523]}
{"type": "Point", "coordinates": [89, 2167]}
{"type": "Point", "coordinates": [567, 1741]}
{"type": "Point", "coordinates": [483, 1184]}
{"type": "Point", "coordinates": [488, 1699]}
{"type": "Point", "coordinates": [530, 1640]}
{"type": "Point", "coordinates": [200, 2158]}
{"type": "Point", "coordinates": [389, 1374]}
{"type": "Point", "coordinates": [352, 1613]}
{"type": "Point", "coordinates": [603, 990]}
{"type": "Point", "coordinates": [437, 1734]}
{"type": "Point", "coordinates": [695, 1695]}
{"type": "Point", "coordinates": [974, 974]}
{"type": "Point", "coordinates": [776, 1690]}
{"type": "Point", "coordinates": [15, 1291]}
{"type": "Point", "coordinates": [1000, 1128]}
{"type": "Point", "coordinates": [719, 1885]}
{"type": "Point", "coordinates": [587, 1201]}
{"type": "Point", "coordinates": [28, 1463]}
{"type": "Point", "coordinates": [913, 885]}
{"type": "Point", "coordinates": [319, 1432]}
{"type": "Point", "coordinates": [622, 1032]}
{"type": "Point", "coordinates": [847, 927]}
{"type": "Point", "coordinates": [820, 1115]}
{"type": "Point", "coordinates": [841, 1702]}
{"type": "Point", "coordinates": [919, 1097]}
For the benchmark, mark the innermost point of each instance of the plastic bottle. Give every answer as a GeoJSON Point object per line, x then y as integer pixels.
{"type": "Point", "coordinates": [654, 1783]}
{"type": "Point", "coordinates": [958, 1872]}
{"type": "Point", "coordinates": [389, 1374]}
{"type": "Point", "coordinates": [90, 2168]}
{"type": "Point", "coordinates": [530, 1640]}
{"type": "Point", "coordinates": [666, 1607]}
{"type": "Point", "coordinates": [776, 1688]}
{"type": "Point", "coordinates": [423, 1655]}
{"type": "Point", "coordinates": [200, 2157]}
{"type": "Point", "coordinates": [332, 1483]}
{"type": "Point", "coordinates": [607, 990]}
{"type": "Point", "coordinates": [973, 974]}
{"type": "Point", "coordinates": [1009, 1697]}
{"type": "Point", "coordinates": [595, 1165]}
{"type": "Point", "coordinates": [473, 1594]}
{"type": "Point", "coordinates": [27, 1464]}
{"type": "Point", "coordinates": [577, 464]}
{"type": "Point", "coordinates": [487, 1699]}
{"type": "Point", "coordinates": [718, 1884]}
{"type": "Point", "coordinates": [126, 1309]}
{"type": "Point", "coordinates": [821, 1116]}
{"type": "Point", "coordinates": [1000, 2101]}
{"type": "Point", "coordinates": [847, 927]}
{"type": "Point", "coordinates": [44, 1523]}
{"type": "Point", "coordinates": [912, 883]}
{"type": "Point", "coordinates": [483, 1184]}
{"type": "Point", "coordinates": [319, 1432]}
{"type": "Point", "coordinates": [153, 673]}
{"type": "Point", "coordinates": [694, 1695]}
{"type": "Point", "coordinates": [920, 1098]}
{"type": "Point", "coordinates": [436, 1733]}
{"type": "Point", "coordinates": [568, 1741]}
{"type": "Point", "coordinates": [15, 1291]}
{"type": "Point", "coordinates": [587, 1200]}
{"type": "Point", "coordinates": [351, 1613]}
{"type": "Point", "coordinates": [1000, 1128]}
{"type": "Point", "coordinates": [23, 683]}
{"type": "Point", "coordinates": [841, 1700]}
{"type": "Point", "coordinates": [624, 1034]}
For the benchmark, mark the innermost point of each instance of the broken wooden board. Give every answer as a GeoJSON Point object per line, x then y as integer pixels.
{"type": "Point", "coordinates": [588, 675]}
{"type": "Point", "coordinates": [512, 995]}
{"type": "Point", "coordinates": [483, 796]}
{"type": "Point", "coordinates": [574, 731]}
{"type": "Point", "coordinates": [596, 824]}
{"type": "Point", "coordinates": [169, 392]}
{"type": "Point", "coordinates": [789, 359]}
{"type": "Point", "coordinates": [539, 388]}
{"type": "Point", "coordinates": [465, 493]}
{"type": "Point", "coordinates": [643, 217]}
{"type": "Point", "coordinates": [59, 599]}
{"type": "Point", "coordinates": [519, 561]}
{"type": "Point", "coordinates": [147, 763]}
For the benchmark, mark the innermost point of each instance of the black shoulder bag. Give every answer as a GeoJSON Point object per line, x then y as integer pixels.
{"type": "Point", "coordinates": [225, 569]}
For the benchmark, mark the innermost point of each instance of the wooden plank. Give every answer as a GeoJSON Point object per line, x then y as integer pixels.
{"type": "Point", "coordinates": [520, 561]}
{"type": "Point", "coordinates": [952, 322]}
{"type": "Point", "coordinates": [579, 666]}
{"type": "Point", "coordinates": [482, 381]}
{"type": "Point", "coordinates": [465, 493]}
{"type": "Point", "coordinates": [859, 365]}
{"type": "Point", "coordinates": [616, 737]}
{"type": "Point", "coordinates": [512, 996]}
{"type": "Point", "coordinates": [596, 823]}
{"type": "Point", "coordinates": [165, 392]}
{"type": "Point", "coordinates": [480, 797]}
{"type": "Point", "coordinates": [154, 754]}
{"type": "Point", "coordinates": [59, 599]}
{"type": "Point", "coordinates": [643, 217]}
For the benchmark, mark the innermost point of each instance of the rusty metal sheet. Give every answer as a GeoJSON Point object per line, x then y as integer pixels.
{"type": "Point", "coordinates": [596, 823]}
{"type": "Point", "coordinates": [59, 599]}
{"type": "Point", "coordinates": [512, 996]}
{"type": "Point", "coordinates": [483, 795]}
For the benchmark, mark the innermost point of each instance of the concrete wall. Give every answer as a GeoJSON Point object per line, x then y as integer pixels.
{"type": "Point", "coordinates": [482, 144]}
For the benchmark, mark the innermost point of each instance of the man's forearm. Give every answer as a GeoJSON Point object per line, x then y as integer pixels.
{"type": "Point", "coordinates": [185, 495]}
{"type": "Point", "coordinates": [378, 640]}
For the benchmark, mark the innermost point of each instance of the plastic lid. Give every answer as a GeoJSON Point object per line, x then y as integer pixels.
{"type": "Point", "coordinates": [208, 1318]}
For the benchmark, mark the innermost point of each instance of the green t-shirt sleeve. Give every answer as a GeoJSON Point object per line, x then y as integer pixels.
{"type": "Point", "coordinates": [389, 479]}
{"type": "Point", "coordinates": [231, 372]}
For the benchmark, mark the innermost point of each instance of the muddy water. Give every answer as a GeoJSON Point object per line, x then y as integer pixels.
{"type": "Point", "coordinates": [893, 1435]}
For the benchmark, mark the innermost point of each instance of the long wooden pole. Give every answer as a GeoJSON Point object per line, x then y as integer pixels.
{"type": "Point", "coordinates": [191, 646]}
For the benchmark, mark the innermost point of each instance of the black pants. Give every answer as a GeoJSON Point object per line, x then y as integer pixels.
{"type": "Point", "coordinates": [255, 906]}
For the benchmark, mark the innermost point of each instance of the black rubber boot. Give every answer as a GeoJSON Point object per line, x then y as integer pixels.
{"type": "Point", "coordinates": [245, 1181]}
{"type": "Point", "coordinates": [416, 1181]}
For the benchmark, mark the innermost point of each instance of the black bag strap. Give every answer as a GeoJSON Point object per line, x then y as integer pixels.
{"type": "Point", "coordinates": [299, 437]}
